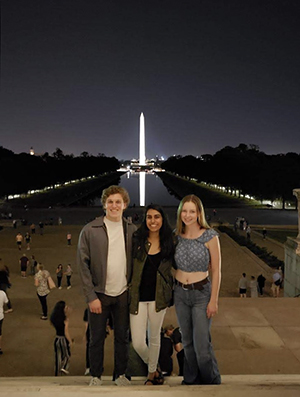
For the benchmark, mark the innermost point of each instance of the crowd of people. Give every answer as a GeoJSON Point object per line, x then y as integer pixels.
{"type": "Point", "coordinates": [256, 286]}
{"type": "Point", "coordinates": [30, 266]}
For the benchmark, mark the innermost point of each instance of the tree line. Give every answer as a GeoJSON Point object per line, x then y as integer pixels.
{"type": "Point", "coordinates": [243, 170]}
{"type": "Point", "coordinates": [23, 172]}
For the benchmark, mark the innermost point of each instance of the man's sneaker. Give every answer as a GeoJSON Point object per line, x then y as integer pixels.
{"type": "Point", "coordinates": [8, 311]}
{"type": "Point", "coordinates": [64, 371]}
{"type": "Point", "coordinates": [122, 381]}
{"type": "Point", "coordinates": [44, 318]}
{"type": "Point", "coordinates": [95, 382]}
{"type": "Point", "coordinates": [87, 372]}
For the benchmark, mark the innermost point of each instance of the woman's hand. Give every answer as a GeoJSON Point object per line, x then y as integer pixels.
{"type": "Point", "coordinates": [212, 309]}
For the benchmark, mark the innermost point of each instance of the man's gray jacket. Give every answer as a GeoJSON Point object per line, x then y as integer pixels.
{"type": "Point", "coordinates": [92, 254]}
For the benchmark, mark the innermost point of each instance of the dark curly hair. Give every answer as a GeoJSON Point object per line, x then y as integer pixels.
{"type": "Point", "coordinates": [165, 235]}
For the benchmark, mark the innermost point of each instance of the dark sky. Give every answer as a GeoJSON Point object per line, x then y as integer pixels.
{"type": "Point", "coordinates": [76, 74]}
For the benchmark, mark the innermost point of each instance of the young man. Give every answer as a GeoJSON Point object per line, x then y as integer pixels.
{"type": "Point", "coordinates": [105, 266]}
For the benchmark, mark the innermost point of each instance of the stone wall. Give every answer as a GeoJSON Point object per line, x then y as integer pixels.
{"type": "Point", "coordinates": [292, 268]}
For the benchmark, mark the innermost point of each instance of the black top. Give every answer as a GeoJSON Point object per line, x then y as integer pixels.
{"type": "Point", "coordinates": [176, 336]}
{"type": "Point", "coordinates": [60, 329]}
{"type": "Point", "coordinates": [4, 278]}
{"type": "Point", "coordinates": [148, 281]}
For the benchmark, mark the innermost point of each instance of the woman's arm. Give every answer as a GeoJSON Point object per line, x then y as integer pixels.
{"type": "Point", "coordinates": [215, 260]}
{"type": "Point", "coordinates": [67, 335]}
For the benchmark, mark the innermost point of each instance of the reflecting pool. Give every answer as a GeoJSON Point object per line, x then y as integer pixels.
{"type": "Point", "coordinates": [144, 188]}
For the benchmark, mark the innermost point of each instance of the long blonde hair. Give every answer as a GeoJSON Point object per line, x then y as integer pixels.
{"type": "Point", "coordinates": [180, 226]}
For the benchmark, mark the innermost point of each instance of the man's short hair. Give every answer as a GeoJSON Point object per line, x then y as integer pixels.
{"type": "Point", "coordinates": [114, 189]}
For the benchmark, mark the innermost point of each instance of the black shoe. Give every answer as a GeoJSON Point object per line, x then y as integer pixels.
{"type": "Point", "coordinates": [1, 352]}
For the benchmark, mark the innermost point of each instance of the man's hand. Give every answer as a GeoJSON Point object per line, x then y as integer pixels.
{"type": "Point", "coordinates": [95, 306]}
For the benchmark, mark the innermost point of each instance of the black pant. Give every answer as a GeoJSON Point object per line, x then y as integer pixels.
{"type": "Point", "coordinates": [118, 307]}
{"type": "Point", "coordinates": [69, 281]}
{"type": "Point", "coordinates": [180, 359]}
{"type": "Point", "coordinates": [59, 281]}
{"type": "Point", "coordinates": [43, 300]}
{"type": "Point", "coordinates": [261, 289]}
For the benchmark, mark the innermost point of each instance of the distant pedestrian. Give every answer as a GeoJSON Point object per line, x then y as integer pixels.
{"type": "Point", "coordinates": [42, 288]}
{"type": "Point", "coordinates": [41, 225]}
{"type": "Point", "coordinates": [60, 221]}
{"type": "Point", "coordinates": [68, 274]}
{"type": "Point", "coordinates": [215, 212]}
{"type": "Point", "coordinates": [27, 240]}
{"type": "Point", "coordinates": [15, 224]}
{"type": "Point", "coordinates": [62, 341]}
{"type": "Point", "coordinates": [243, 286]}
{"type": "Point", "coordinates": [3, 301]}
{"type": "Point", "coordinates": [175, 335]}
{"type": "Point", "coordinates": [69, 238]}
{"type": "Point", "coordinates": [264, 232]}
{"type": "Point", "coordinates": [32, 228]}
{"type": "Point", "coordinates": [277, 279]}
{"type": "Point", "coordinates": [24, 262]}
{"type": "Point", "coordinates": [165, 359]}
{"type": "Point", "coordinates": [235, 226]}
{"type": "Point", "coordinates": [261, 283]}
{"type": "Point", "coordinates": [33, 265]}
{"type": "Point", "coordinates": [253, 287]}
{"type": "Point", "coordinates": [248, 232]}
{"type": "Point", "coordinates": [19, 240]}
{"type": "Point", "coordinates": [59, 275]}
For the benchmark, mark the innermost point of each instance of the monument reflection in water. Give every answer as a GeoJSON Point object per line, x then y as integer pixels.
{"type": "Point", "coordinates": [145, 188]}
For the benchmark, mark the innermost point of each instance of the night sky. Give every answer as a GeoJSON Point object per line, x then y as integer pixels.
{"type": "Point", "coordinates": [76, 74]}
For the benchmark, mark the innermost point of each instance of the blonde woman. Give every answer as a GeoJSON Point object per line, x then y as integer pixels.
{"type": "Point", "coordinates": [196, 296]}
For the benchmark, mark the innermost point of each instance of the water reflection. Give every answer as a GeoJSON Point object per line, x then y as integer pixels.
{"type": "Point", "coordinates": [142, 177]}
{"type": "Point", "coordinates": [144, 188]}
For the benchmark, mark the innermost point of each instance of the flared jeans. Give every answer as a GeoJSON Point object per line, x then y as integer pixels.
{"type": "Point", "coordinates": [200, 364]}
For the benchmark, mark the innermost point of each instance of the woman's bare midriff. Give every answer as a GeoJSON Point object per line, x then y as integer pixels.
{"type": "Point", "coordinates": [190, 278]}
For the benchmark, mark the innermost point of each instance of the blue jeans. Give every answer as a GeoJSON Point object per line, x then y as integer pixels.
{"type": "Point", "coordinates": [200, 364]}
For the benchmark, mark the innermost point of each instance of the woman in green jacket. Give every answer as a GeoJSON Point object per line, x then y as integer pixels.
{"type": "Point", "coordinates": [151, 287]}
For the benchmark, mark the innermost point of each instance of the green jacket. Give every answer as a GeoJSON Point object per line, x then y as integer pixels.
{"type": "Point", "coordinates": [164, 283]}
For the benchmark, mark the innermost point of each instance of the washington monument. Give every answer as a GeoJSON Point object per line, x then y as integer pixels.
{"type": "Point", "coordinates": [142, 159]}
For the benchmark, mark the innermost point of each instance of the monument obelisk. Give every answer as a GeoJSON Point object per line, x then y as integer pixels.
{"type": "Point", "coordinates": [142, 160]}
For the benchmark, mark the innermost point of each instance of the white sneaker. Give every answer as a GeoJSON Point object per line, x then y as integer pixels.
{"type": "Point", "coordinates": [64, 371]}
{"type": "Point", "coordinates": [59, 287]}
{"type": "Point", "coordinates": [87, 372]}
{"type": "Point", "coordinates": [69, 287]}
{"type": "Point", "coordinates": [122, 381]}
{"type": "Point", "coordinates": [95, 382]}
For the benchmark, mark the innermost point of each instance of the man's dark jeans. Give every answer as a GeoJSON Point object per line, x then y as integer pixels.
{"type": "Point", "coordinates": [119, 308]}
